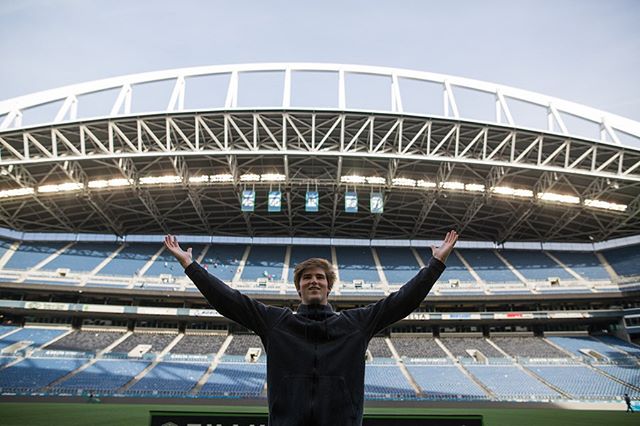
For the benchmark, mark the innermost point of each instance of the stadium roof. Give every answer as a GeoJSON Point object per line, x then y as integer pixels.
{"type": "Point", "coordinates": [183, 170]}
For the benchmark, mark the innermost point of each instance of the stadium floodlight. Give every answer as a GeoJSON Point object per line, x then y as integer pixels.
{"type": "Point", "coordinates": [198, 179]}
{"type": "Point", "coordinates": [353, 179]}
{"type": "Point", "coordinates": [452, 185]}
{"type": "Point", "coordinates": [16, 192]}
{"type": "Point", "coordinates": [272, 177]}
{"type": "Point", "coordinates": [516, 192]}
{"type": "Point", "coordinates": [474, 187]}
{"type": "Point", "coordinates": [110, 183]}
{"type": "Point", "coordinates": [250, 177]}
{"type": "Point", "coordinates": [376, 180]}
{"type": "Point", "coordinates": [62, 187]}
{"type": "Point", "coordinates": [560, 198]}
{"type": "Point", "coordinates": [221, 178]}
{"type": "Point", "coordinates": [151, 180]}
{"type": "Point", "coordinates": [599, 204]}
{"type": "Point", "coordinates": [404, 182]}
{"type": "Point", "coordinates": [426, 184]}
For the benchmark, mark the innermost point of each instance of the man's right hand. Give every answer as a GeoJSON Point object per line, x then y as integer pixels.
{"type": "Point", "coordinates": [184, 257]}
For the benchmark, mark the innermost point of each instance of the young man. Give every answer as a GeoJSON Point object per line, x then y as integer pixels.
{"type": "Point", "coordinates": [315, 356]}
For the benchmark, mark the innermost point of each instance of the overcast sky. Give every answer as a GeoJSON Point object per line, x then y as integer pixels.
{"type": "Point", "coordinates": [586, 51]}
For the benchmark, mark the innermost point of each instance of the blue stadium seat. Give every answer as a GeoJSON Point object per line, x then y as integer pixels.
{"type": "Point", "coordinates": [508, 382]}
{"type": "Point", "coordinates": [170, 378]}
{"type": "Point", "coordinates": [222, 260]}
{"type": "Point", "coordinates": [130, 260]}
{"type": "Point", "coordinates": [581, 382]}
{"type": "Point", "coordinates": [398, 263]}
{"type": "Point", "coordinates": [356, 263]}
{"type": "Point", "coordinates": [36, 336]}
{"type": "Point", "coordinates": [455, 268]}
{"type": "Point", "coordinates": [445, 382]}
{"type": "Point", "coordinates": [236, 379]}
{"type": "Point", "coordinates": [585, 264]}
{"type": "Point", "coordinates": [165, 263]}
{"type": "Point", "coordinates": [29, 254]}
{"type": "Point", "coordinates": [386, 382]}
{"type": "Point", "coordinates": [488, 266]}
{"type": "Point", "coordinates": [264, 261]}
{"type": "Point", "coordinates": [575, 343]}
{"type": "Point", "coordinates": [30, 374]}
{"type": "Point", "coordinates": [104, 376]}
{"type": "Point", "coordinates": [535, 265]}
{"type": "Point", "coordinates": [624, 260]}
{"type": "Point", "coordinates": [82, 257]}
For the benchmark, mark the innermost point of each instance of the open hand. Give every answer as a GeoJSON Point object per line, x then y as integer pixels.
{"type": "Point", "coordinates": [184, 257]}
{"type": "Point", "coordinates": [441, 253]}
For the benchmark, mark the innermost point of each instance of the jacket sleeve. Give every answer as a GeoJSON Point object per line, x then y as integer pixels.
{"type": "Point", "coordinates": [399, 304]}
{"type": "Point", "coordinates": [232, 303]}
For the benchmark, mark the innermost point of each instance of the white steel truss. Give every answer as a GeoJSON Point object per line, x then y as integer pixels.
{"type": "Point", "coordinates": [612, 128]}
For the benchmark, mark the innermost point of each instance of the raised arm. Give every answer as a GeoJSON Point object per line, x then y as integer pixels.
{"type": "Point", "coordinates": [401, 303]}
{"type": "Point", "coordinates": [229, 302]}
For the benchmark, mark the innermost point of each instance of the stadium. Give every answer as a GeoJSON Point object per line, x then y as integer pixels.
{"type": "Point", "coordinates": [537, 310]}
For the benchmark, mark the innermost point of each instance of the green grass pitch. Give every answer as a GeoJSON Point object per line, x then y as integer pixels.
{"type": "Point", "coordinates": [48, 414]}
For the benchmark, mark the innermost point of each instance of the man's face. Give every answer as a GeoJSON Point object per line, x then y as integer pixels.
{"type": "Point", "coordinates": [314, 287]}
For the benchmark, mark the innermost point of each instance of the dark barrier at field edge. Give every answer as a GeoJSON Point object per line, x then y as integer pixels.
{"type": "Point", "coordinates": [184, 418]}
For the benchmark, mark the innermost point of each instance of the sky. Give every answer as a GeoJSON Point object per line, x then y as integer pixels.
{"type": "Point", "coordinates": [586, 51]}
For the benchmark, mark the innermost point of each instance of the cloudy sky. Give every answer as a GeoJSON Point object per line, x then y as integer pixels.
{"type": "Point", "coordinates": [587, 51]}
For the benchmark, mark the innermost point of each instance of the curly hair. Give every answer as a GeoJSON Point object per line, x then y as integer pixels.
{"type": "Point", "coordinates": [314, 262]}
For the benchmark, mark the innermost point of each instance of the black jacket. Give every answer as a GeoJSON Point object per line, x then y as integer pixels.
{"type": "Point", "coordinates": [315, 357]}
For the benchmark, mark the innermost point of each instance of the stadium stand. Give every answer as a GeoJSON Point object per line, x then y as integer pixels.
{"type": "Point", "coordinates": [239, 346]}
{"type": "Point", "coordinates": [34, 336]}
{"type": "Point", "coordinates": [264, 262]}
{"type": "Point", "coordinates": [628, 373]}
{"type": "Point", "coordinates": [4, 329]}
{"type": "Point", "coordinates": [81, 257]}
{"type": "Point", "coordinates": [455, 268]}
{"type": "Point", "coordinates": [398, 264]}
{"type": "Point", "coordinates": [458, 346]}
{"type": "Point", "coordinates": [199, 344]}
{"type": "Point", "coordinates": [585, 264]}
{"type": "Point", "coordinates": [624, 260]}
{"type": "Point", "coordinates": [4, 246]}
{"type": "Point", "coordinates": [445, 382]}
{"type": "Point", "coordinates": [236, 379]}
{"type": "Point", "coordinates": [385, 382]}
{"type": "Point", "coordinates": [508, 382]}
{"type": "Point", "coordinates": [417, 347]}
{"type": "Point", "coordinates": [575, 344]}
{"type": "Point", "coordinates": [356, 263]}
{"type": "Point", "coordinates": [169, 379]}
{"type": "Point", "coordinates": [620, 344]}
{"type": "Point", "coordinates": [130, 260]}
{"type": "Point", "coordinates": [4, 360]}
{"type": "Point", "coordinates": [165, 263]}
{"type": "Point", "coordinates": [379, 348]}
{"type": "Point", "coordinates": [29, 254]}
{"type": "Point", "coordinates": [528, 347]}
{"type": "Point", "coordinates": [31, 374]}
{"type": "Point", "coordinates": [104, 376]}
{"type": "Point", "coordinates": [223, 260]}
{"type": "Point", "coordinates": [580, 382]}
{"type": "Point", "coordinates": [488, 266]}
{"type": "Point", "coordinates": [85, 341]}
{"type": "Point", "coordinates": [158, 341]}
{"type": "Point", "coordinates": [534, 265]}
